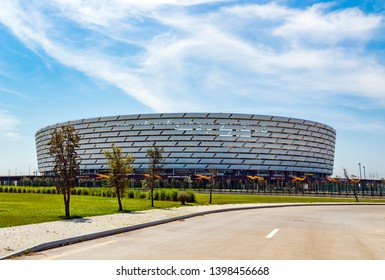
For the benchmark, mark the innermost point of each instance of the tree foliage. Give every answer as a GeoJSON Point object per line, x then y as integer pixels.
{"type": "Point", "coordinates": [155, 166]}
{"type": "Point", "coordinates": [119, 167]}
{"type": "Point", "coordinates": [62, 147]}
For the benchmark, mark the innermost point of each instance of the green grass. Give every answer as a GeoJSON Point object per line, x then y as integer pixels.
{"type": "Point", "coordinates": [238, 198]}
{"type": "Point", "coordinates": [25, 208]}
{"type": "Point", "coordinates": [21, 209]}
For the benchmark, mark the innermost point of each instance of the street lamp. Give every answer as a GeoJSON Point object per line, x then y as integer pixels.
{"type": "Point", "coordinates": [359, 165]}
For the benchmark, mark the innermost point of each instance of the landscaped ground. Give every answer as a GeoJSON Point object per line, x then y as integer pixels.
{"type": "Point", "coordinates": [26, 208]}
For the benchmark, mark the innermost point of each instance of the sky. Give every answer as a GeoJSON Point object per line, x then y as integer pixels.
{"type": "Point", "coordinates": [323, 61]}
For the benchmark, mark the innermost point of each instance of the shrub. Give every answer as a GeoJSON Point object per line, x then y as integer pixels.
{"type": "Point", "coordinates": [163, 195]}
{"type": "Point", "coordinates": [192, 198]}
{"type": "Point", "coordinates": [1, 189]}
{"type": "Point", "coordinates": [130, 194]}
{"type": "Point", "coordinates": [6, 189]}
{"type": "Point", "coordinates": [174, 195]}
{"type": "Point", "coordinates": [156, 195]}
{"type": "Point", "coordinates": [183, 197]}
{"type": "Point", "coordinates": [140, 195]}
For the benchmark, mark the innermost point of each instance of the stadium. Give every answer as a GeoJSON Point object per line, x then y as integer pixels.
{"type": "Point", "coordinates": [193, 143]}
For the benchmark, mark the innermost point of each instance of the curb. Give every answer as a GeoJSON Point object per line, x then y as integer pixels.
{"type": "Point", "coordinates": [96, 235]}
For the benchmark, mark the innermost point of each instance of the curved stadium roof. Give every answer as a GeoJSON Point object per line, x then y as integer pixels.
{"type": "Point", "coordinates": [192, 142]}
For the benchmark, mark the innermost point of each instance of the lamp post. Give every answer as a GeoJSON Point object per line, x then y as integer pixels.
{"type": "Point", "coordinates": [9, 174]}
{"type": "Point", "coordinates": [359, 165]}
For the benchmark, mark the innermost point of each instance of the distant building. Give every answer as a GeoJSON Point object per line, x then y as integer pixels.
{"type": "Point", "coordinates": [233, 144]}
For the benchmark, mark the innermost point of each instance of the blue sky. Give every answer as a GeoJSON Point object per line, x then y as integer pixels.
{"type": "Point", "coordinates": [70, 59]}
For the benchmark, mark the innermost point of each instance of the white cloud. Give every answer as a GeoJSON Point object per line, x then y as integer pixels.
{"type": "Point", "coordinates": [8, 126]}
{"type": "Point", "coordinates": [172, 58]}
{"type": "Point", "coordinates": [318, 25]}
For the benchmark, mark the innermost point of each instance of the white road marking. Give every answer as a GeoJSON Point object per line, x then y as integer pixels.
{"type": "Point", "coordinates": [271, 234]}
{"type": "Point", "coordinates": [79, 250]}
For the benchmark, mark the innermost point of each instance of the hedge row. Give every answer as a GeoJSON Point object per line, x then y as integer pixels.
{"type": "Point", "coordinates": [159, 194]}
{"type": "Point", "coordinates": [13, 189]}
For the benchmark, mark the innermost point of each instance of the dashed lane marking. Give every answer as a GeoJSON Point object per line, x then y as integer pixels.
{"type": "Point", "coordinates": [271, 234]}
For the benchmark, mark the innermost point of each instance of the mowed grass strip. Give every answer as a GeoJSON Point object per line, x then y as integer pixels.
{"type": "Point", "coordinates": [20, 209]}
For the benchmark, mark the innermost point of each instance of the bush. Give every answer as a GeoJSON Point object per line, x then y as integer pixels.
{"type": "Point", "coordinates": [183, 197]}
{"type": "Point", "coordinates": [140, 195]}
{"type": "Point", "coordinates": [156, 195]}
{"type": "Point", "coordinates": [130, 194]}
{"type": "Point", "coordinates": [163, 195]}
{"type": "Point", "coordinates": [192, 198]}
{"type": "Point", "coordinates": [174, 195]}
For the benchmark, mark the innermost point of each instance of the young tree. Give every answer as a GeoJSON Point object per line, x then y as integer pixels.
{"type": "Point", "coordinates": [354, 184]}
{"type": "Point", "coordinates": [212, 182]}
{"type": "Point", "coordinates": [120, 167]}
{"type": "Point", "coordinates": [62, 147]}
{"type": "Point", "coordinates": [155, 167]}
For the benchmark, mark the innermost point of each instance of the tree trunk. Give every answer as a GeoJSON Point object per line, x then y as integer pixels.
{"type": "Point", "coordinates": [120, 202]}
{"type": "Point", "coordinates": [211, 192]}
{"type": "Point", "coordinates": [355, 191]}
{"type": "Point", "coordinates": [152, 197]}
{"type": "Point", "coordinates": [66, 194]}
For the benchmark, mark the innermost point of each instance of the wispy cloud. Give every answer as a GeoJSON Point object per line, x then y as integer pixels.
{"type": "Point", "coordinates": [12, 92]}
{"type": "Point", "coordinates": [8, 126]}
{"type": "Point", "coordinates": [178, 56]}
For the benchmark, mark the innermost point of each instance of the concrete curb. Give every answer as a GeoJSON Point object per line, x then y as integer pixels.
{"type": "Point", "coordinates": [96, 235]}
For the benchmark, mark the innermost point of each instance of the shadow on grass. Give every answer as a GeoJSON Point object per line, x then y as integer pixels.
{"type": "Point", "coordinates": [75, 219]}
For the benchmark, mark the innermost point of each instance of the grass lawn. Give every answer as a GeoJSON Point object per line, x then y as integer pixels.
{"type": "Point", "coordinates": [24, 208]}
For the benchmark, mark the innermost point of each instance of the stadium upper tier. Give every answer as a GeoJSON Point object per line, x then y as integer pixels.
{"type": "Point", "coordinates": [196, 142]}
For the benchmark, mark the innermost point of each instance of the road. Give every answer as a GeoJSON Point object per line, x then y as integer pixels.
{"type": "Point", "coordinates": [294, 233]}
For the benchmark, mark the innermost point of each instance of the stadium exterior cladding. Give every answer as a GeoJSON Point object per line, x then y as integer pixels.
{"type": "Point", "coordinates": [196, 142]}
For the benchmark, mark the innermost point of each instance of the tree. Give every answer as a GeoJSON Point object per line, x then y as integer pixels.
{"type": "Point", "coordinates": [212, 182]}
{"type": "Point", "coordinates": [62, 147]}
{"type": "Point", "coordinates": [120, 167]}
{"type": "Point", "coordinates": [354, 184]}
{"type": "Point", "coordinates": [155, 167]}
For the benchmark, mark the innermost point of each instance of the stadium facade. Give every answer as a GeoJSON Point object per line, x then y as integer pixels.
{"type": "Point", "coordinates": [193, 143]}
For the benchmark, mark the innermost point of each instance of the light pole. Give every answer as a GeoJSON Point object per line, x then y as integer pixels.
{"type": "Point", "coordinates": [364, 173]}
{"type": "Point", "coordinates": [9, 174]}
{"type": "Point", "coordinates": [359, 165]}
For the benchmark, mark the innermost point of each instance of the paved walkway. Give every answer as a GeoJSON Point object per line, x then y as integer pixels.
{"type": "Point", "coordinates": [14, 240]}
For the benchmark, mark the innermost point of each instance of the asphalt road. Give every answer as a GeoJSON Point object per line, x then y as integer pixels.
{"type": "Point", "coordinates": [294, 233]}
